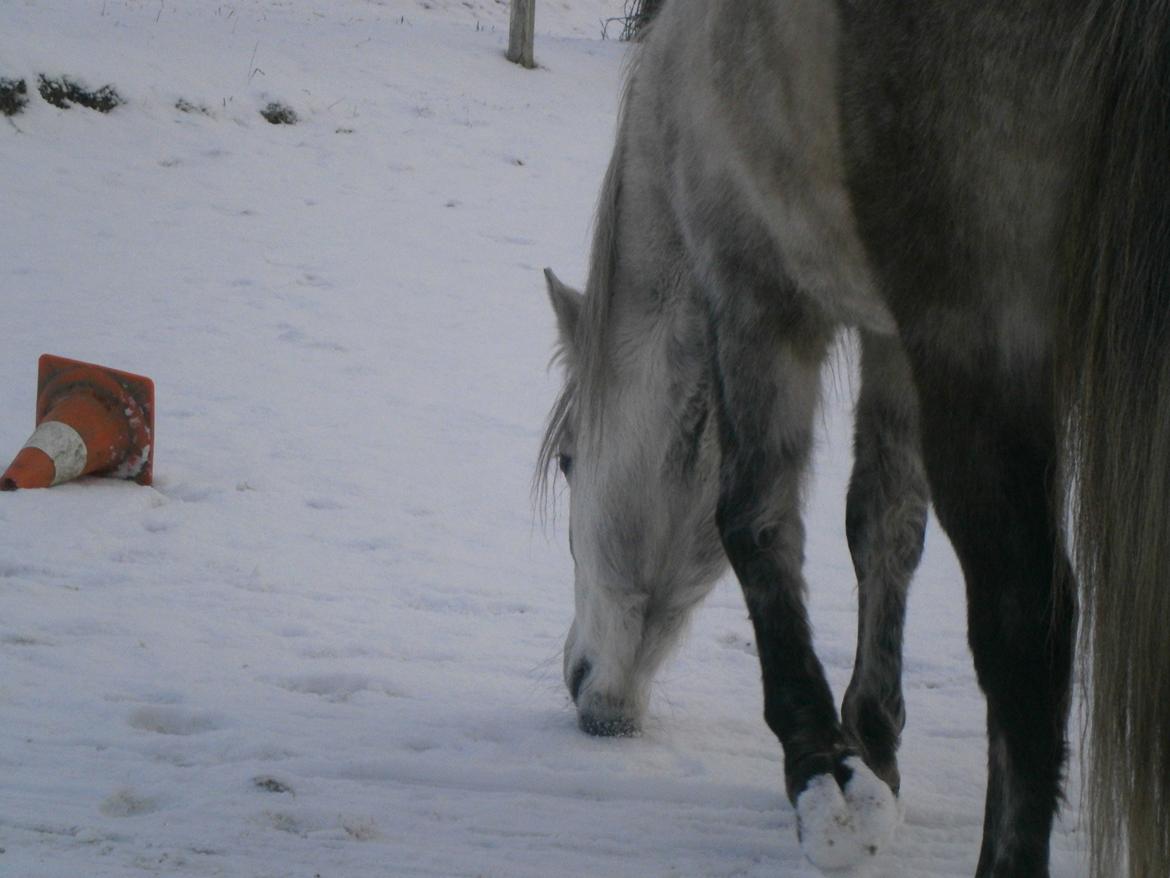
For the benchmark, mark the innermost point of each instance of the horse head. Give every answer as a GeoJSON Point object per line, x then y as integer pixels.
{"type": "Point", "coordinates": [632, 433]}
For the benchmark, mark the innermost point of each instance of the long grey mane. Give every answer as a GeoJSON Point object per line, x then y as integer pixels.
{"type": "Point", "coordinates": [583, 358]}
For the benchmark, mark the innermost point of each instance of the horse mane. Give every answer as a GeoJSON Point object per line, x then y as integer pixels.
{"type": "Point", "coordinates": [583, 357]}
{"type": "Point", "coordinates": [555, 430]}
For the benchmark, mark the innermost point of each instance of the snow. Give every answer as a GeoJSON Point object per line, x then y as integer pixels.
{"type": "Point", "coordinates": [326, 642]}
{"type": "Point", "coordinates": [840, 830]}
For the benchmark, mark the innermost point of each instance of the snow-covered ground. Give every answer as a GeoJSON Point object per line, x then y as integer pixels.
{"type": "Point", "coordinates": [326, 641]}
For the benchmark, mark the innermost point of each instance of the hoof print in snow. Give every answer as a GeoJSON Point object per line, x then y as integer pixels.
{"type": "Point", "coordinates": [280, 114]}
{"type": "Point", "coordinates": [185, 106]}
{"type": "Point", "coordinates": [336, 688]}
{"type": "Point", "coordinates": [271, 785]}
{"type": "Point", "coordinates": [360, 829]}
{"type": "Point", "coordinates": [13, 96]}
{"type": "Point", "coordinates": [172, 721]}
{"type": "Point", "coordinates": [64, 92]}
{"type": "Point", "coordinates": [127, 803]}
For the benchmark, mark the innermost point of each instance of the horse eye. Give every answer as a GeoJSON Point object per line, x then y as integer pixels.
{"type": "Point", "coordinates": [565, 462]}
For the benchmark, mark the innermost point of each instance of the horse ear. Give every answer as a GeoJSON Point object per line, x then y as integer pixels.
{"type": "Point", "coordinates": [566, 303]}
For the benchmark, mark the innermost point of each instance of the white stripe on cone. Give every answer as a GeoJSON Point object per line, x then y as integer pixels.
{"type": "Point", "coordinates": [64, 445]}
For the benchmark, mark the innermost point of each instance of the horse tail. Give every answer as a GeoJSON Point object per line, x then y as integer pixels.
{"type": "Point", "coordinates": [1114, 383]}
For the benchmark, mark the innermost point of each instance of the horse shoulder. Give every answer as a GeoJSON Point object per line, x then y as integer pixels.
{"type": "Point", "coordinates": [742, 100]}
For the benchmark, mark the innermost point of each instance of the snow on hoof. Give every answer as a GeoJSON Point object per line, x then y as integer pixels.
{"type": "Point", "coordinates": [841, 832]}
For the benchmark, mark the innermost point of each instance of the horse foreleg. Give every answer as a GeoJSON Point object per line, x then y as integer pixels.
{"type": "Point", "coordinates": [885, 520]}
{"type": "Point", "coordinates": [990, 451]}
{"type": "Point", "coordinates": [768, 367]}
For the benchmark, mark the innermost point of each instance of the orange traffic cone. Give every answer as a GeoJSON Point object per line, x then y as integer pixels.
{"type": "Point", "coordinates": [90, 419]}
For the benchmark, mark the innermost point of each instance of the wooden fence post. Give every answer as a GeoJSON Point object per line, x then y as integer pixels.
{"type": "Point", "coordinates": [520, 33]}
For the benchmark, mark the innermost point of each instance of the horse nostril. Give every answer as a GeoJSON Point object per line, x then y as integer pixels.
{"type": "Point", "coordinates": [578, 678]}
{"type": "Point", "coordinates": [609, 727]}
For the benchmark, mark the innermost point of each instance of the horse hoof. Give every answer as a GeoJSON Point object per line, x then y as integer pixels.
{"type": "Point", "coordinates": [842, 830]}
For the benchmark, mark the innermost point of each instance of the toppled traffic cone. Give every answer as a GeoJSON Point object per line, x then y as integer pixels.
{"type": "Point", "coordinates": [90, 420]}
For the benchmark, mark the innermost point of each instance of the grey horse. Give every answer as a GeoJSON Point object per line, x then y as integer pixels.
{"type": "Point", "coordinates": [982, 191]}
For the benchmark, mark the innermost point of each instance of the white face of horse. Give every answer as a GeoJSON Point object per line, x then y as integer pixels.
{"type": "Point", "coordinates": [641, 460]}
